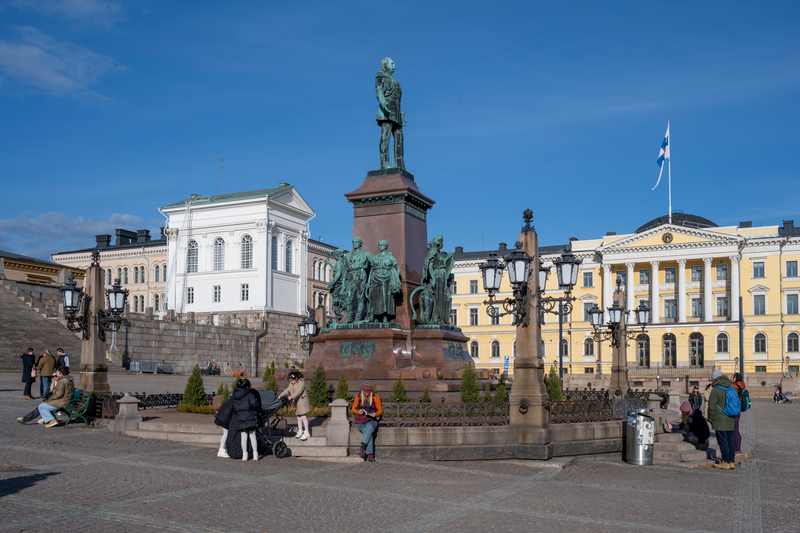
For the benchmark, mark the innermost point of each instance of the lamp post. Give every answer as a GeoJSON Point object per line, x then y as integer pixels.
{"type": "Point", "coordinates": [735, 364]}
{"type": "Point", "coordinates": [618, 335]}
{"type": "Point", "coordinates": [786, 373]}
{"type": "Point", "coordinates": [308, 329]}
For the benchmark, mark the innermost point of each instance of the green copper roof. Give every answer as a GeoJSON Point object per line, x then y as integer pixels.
{"type": "Point", "coordinates": [203, 200]}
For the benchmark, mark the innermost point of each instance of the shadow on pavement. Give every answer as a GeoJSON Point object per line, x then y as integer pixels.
{"type": "Point", "coordinates": [16, 484]}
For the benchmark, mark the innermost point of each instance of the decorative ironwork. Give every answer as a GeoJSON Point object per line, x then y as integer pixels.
{"type": "Point", "coordinates": [527, 217]}
{"type": "Point", "coordinates": [95, 257]}
{"type": "Point", "coordinates": [644, 394]}
{"type": "Point", "coordinates": [80, 322]}
{"type": "Point", "coordinates": [107, 406]}
{"type": "Point", "coordinates": [523, 406]}
{"type": "Point", "coordinates": [615, 333]}
{"type": "Point", "coordinates": [444, 414]}
{"type": "Point", "coordinates": [586, 394]}
{"type": "Point", "coordinates": [593, 410]}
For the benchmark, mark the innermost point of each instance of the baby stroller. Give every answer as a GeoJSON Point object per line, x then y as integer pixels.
{"type": "Point", "coordinates": [270, 404]}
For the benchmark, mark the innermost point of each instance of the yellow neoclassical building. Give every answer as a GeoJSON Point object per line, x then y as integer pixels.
{"type": "Point", "coordinates": [691, 273]}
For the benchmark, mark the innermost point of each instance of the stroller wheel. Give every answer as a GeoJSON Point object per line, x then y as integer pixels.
{"type": "Point", "coordinates": [280, 450]}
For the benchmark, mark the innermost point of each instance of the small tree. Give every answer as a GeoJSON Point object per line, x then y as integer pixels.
{"type": "Point", "coordinates": [318, 390]}
{"type": "Point", "coordinates": [398, 392]}
{"type": "Point", "coordinates": [302, 365]}
{"type": "Point", "coordinates": [341, 389]}
{"type": "Point", "coordinates": [487, 394]}
{"type": "Point", "coordinates": [554, 386]}
{"type": "Point", "coordinates": [269, 372]}
{"type": "Point", "coordinates": [426, 396]}
{"type": "Point", "coordinates": [195, 392]}
{"type": "Point", "coordinates": [272, 383]}
{"type": "Point", "coordinates": [470, 389]}
{"type": "Point", "coordinates": [226, 393]}
{"type": "Point", "coordinates": [500, 392]}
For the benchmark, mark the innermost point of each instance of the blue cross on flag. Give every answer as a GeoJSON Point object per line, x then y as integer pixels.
{"type": "Point", "coordinates": [663, 154]}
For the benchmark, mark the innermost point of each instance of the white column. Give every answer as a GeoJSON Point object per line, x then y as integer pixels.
{"type": "Point", "coordinates": [606, 291]}
{"type": "Point", "coordinates": [708, 305]}
{"type": "Point", "coordinates": [681, 290]}
{"type": "Point", "coordinates": [270, 234]}
{"type": "Point", "coordinates": [655, 302]}
{"type": "Point", "coordinates": [735, 288]}
{"type": "Point", "coordinates": [630, 292]}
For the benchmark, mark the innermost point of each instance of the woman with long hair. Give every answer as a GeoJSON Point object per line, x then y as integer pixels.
{"type": "Point", "coordinates": [367, 408]}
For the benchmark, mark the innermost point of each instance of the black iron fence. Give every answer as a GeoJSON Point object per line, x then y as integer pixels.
{"type": "Point", "coordinates": [593, 410]}
{"type": "Point", "coordinates": [445, 414]}
{"type": "Point", "coordinates": [106, 404]}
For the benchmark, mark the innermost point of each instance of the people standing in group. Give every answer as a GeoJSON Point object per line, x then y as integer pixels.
{"type": "Point", "coordinates": [28, 372]}
{"type": "Point", "coordinates": [246, 404]}
{"type": "Point", "coordinates": [738, 383]}
{"type": "Point", "coordinates": [63, 393]}
{"type": "Point", "coordinates": [723, 424]}
{"type": "Point", "coordinates": [367, 408]}
{"type": "Point", "coordinates": [706, 396]}
{"type": "Point", "coordinates": [296, 392]}
{"type": "Point", "coordinates": [62, 358]}
{"type": "Point", "coordinates": [46, 365]}
{"type": "Point", "coordinates": [696, 399]}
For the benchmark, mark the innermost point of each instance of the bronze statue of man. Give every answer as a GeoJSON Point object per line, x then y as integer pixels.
{"type": "Point", "coordinates": [384, 283]}
{"type": "Point", "coordinates": [354, 290]}
{"type": "Point", "coordinates": [389, 118]}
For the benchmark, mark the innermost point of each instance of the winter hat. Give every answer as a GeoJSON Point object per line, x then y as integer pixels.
{"type": "Point", "coordinates": [686, 407]}
{"type": "Point", "coordinates": [696, 387]}
{"type": "Point", "coordinates": [367, 386]}
{"type": "Point", "coordinates": [716, 373]}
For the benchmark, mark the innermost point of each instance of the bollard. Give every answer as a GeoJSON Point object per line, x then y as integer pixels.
{"type": "Point", "coordinates": [338, 425]}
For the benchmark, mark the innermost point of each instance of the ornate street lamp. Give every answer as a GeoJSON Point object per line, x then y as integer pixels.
{"type": "Point", "coordinates": [308, 329]}
{"type": "Point", "coordinates": [73, 297]}
{"type": "Point", "coordinates": [78, 318]}
{"type": "Point", "coordinates": [111, 320]}
{"type": "Point", "coordinates": [518, 264]}
{"type": "Point", "coordinates": [615, 322]}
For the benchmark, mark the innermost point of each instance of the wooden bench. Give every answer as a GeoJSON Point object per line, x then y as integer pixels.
{"type": "Point", "coordinates": [78, 408]}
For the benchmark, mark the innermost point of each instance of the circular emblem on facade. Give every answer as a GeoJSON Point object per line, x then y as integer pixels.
{"type": "Point", "coordinates": [667, 238]}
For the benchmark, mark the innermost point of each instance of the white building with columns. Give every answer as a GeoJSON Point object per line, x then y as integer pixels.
{"type": "Point", "coordinates": [243, 251]}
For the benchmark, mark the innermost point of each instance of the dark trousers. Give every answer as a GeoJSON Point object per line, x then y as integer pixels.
{"type": "Point", "coordinates": [726, 446]}
{"type": "Point", "coordinates": [737, 438]}
{"type": "Point", "coordinates": [33, 415]}
{"type": "Point", "coordinates": [27, 389]}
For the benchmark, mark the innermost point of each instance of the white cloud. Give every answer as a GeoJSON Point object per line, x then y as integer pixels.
{"type": "Point", "coordinates": [93, 12]}
{"type": "Point", "coordinates": [54, 232]}
{"type": "Point", "coordinates": [61, 68]}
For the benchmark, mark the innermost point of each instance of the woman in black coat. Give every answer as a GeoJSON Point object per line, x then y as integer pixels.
{"type": "Point", "coordinates": [246, 406]}
{"type": "Point", "coordinates": [28, 363]}
{"type": "Point", "coordinates": [223, 420]}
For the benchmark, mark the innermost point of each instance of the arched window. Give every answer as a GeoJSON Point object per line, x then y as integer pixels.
{"type": "Point", "coordinates": [696, 350]}
{"type": "Point", "coordinates": [136, 274]}
{"type": "Point", "coordinates": [191, 257]}
{"type": "Point", "coordinates": [722, 343]}
{"type": "Point", "coordinates": [314, 270]}
{"type": "Point", "coordinates": [143, 275]}
{"type": "Point", "coordinates": [219, 254]}
{"type": "Point", "coordinates": [289, 253]}
{"type": "Point", "coordinates": [157, 277]}
{"type": "Point", "coordinates": [588, 346]}
{"type": "Point", "coordinates": [473, 349]}
{"type": "Point", "coordinates": [157, 301]}
{"type": "Point", "coordinates": [495, 349]}
{"type": "Point", "coordinates": [247, 251]}
{"type": "Point", "coordinates": [125, 275]}
{"type": "Point", "coordinates": [135, 304]}
{"type": "Point", "coordinates": [324, 272]}
{"type": "Point", "coordinates": [119, 274]}
{"type": "Point", "coordinates": [760, 342]}
{"type": "Point", "coordinates": [274, 258]}
{"type": "Point", "coordinates": [643, 351]}
{"type": "Point", "coordinates": [670, 358]}
{"type": "Point", "coordinates": [164, 272]}
{"type": "Point", "coordinates": [793, 343]}
{"type": "Point", "coordinates": [565, 347]}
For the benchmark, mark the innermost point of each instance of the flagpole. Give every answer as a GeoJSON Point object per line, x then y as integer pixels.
{"type": "Point", "coordinates": [669, 174]}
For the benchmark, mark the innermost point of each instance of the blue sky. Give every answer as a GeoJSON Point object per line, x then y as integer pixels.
{"type": "Point", "coordinates": [112, 109]}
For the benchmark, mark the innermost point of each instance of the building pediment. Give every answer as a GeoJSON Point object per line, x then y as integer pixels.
{"type": "Point", "coordinates": [671, 238]}
{"type": "Point", "coordinates": [291, 198]}
{"type": "Point", "coordinates": [759, 288]}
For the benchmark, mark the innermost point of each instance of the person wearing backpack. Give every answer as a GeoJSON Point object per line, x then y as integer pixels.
{"type": "Point", "coordinates": [723, 407]}
{"type": "Point", "coordinates": [738, 384]}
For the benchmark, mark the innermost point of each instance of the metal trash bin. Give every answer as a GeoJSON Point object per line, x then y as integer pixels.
{"type": "Point", "coordinates": [641, 435]}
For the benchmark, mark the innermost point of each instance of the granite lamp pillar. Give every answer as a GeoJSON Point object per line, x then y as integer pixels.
{"type": "Point", "coordinates": [94, 368]}
{"type": "Point", "coordinates": [619, 350]}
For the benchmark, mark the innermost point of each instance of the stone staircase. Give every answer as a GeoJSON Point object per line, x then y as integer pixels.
{"type": "Point", "coordinates": [673, 449]}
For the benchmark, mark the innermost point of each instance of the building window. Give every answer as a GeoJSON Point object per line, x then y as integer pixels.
{"type": "Point", "coordinates": [669, 275]}
{"type": "Point", "coordinates": [622, 277]}
{"type": "Point", "coordinates": [794, 369]}
{"type": "Point", "coordinates": [791, 269]}
{"type": "Point", "coordinates": [670, 358]}
{"type": "Point", "coordinates": [722, 343]}
{"type": "Point", "coordinates": [696, 350]}
{"type": "Point", "coordinates": [722, 306]}
{"type": "Point", "coordinates": [722, 272]}
{"type": "Point", "coordinates": [643, 351]}
{"type": "Point", "coordinates": [189, 295]}
{"type": "Point", "coordinates": [670, 308]}
{"type": "Point", "coordinates": [108, 277]}
{"type": "Point", "coordinates": [217, 294]}
{"type": "Point", "coordinates": [136, 274]}
{"type": "Point", "coordinates": [157, 303]}
{"type": "Point", "coordinates": [274, 258]}
{"type": "Point", "coordinates": [759, 304]}
{"type": "Point", "coordinates": [135, 304]}
{"type": "Point", "coordinates": [564, 347]}
{"type": "Point", "coordinates": [697, 307]}
{"type": "Point", "coordinates": [453, 287]}
{"type": "Point", "coordinates": [157, 277]}
{"type": "Point", "coordinates": [473, 350]}
{"type": "Point", "coordinates": [791, 304]}
{"type": "Point", "coordinates": [588, 370]}
{"type": "Point", "coordinates": [219, 254]}
{"type": "Point", "coordinates": [588, 279]}
{"type": "Point", "coordinates": [644, 277]}
{"type": "Point", "coordinates": [793, 343]}
{"type": "Point", "coordinates": [191, 257]}
{"type": "Point", "coordinates": [454, 317]}
{"type": "Point", "coordinates": [760, 343]}
{"type": "Point", "coordinates": [245, 292]}
{"type": "Point", "coordinates": [473, 317]}
{"type": "Point", "coordinates": [494, 319]}
{"type": "Point", "coordinates": [289, 254]}
{"type": "Point", "coordinates": [761, 369]}
{"type": "Point", "coordinates": [247, 251]}
{"type": "Point", "coordinates": [588, 347]}
{"type": "Point", "coordinates": [125, 275]}
{"type": "Point", "coordinates": [473, 286]}
{"type": "Point", "coordinates": [314, 271]}
{"type": "Point", "coordinates": [758, 269]}
{"type": "Point", "coordinates": [697, 273]}
{"type": "Point", "coordinates": [586, 308]}
{"type": "Point", "coordinates": [495, 349]}
{"type": "Point", "coordinates": [143, 274]}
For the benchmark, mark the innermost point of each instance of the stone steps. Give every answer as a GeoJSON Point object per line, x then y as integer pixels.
{"type": "Point", "coordinates": [673, 449]}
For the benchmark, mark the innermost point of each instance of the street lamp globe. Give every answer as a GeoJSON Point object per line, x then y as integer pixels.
{"type": "Point", "coordinates": [519, 265]}
{"type": "Point", "coordinates": [492, 272]}
{"type": "Point", "coordinates": [71, 295]}
{"type": "Point", "coordinates": [615, 314]}
{"type": "Point", "coordinates": [567, 270]}
{"type": "Point", "coordinates": [642, 314]}
{"type": "Point", "coordinates": [595, 316]}
{"type": "Point", "coordinates": [543, 272]}
{"type": "Point", "coordinates": [308, 327]}
{"type": "Point", "coordinates": [116, 297]}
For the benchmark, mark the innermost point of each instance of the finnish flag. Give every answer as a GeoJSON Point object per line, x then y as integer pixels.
{"type": "Point", "coordinates": [663, 154]}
